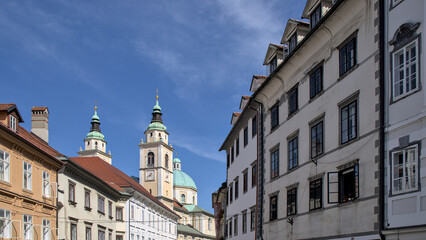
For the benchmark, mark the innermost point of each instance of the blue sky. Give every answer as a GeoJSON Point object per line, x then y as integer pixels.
{"type": "Point", "coordinates": [67, 55]}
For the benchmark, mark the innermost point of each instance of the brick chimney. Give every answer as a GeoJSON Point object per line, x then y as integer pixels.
{"type": "Point", "coordinates": [40, 122]}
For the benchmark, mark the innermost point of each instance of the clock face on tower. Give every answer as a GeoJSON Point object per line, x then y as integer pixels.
{"type": "Point", "coordinates": [150, 175]}
{"type": "Point", "coordinates": [167, 177]}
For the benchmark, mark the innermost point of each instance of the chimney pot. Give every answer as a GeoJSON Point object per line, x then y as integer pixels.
{"type": "Point", "coordinates": [40, 122]}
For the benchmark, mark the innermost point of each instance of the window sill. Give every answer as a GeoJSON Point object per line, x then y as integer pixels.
{"type": "Point", "coordinates": [403, 193]}
{"type": "Point", "coordinates": [6, 183]}
{"type": "Point", "coordinates": [110, 217]}
{"type": "Point", "coordinates": [274, 128]}
{"type": "Point", "coordinates": [315, 210]}
{"type": "Point", "coordinates": [349, 142]}
{"type": "Point", "coordinates": [72, 202]}
{"type": "Point", "coordinates": [316, 96]}
{"type": "Point", "coordinates": [28, 191]}
{"type": "Point", "coordinates": [88, 209]}
{"type": "Point", "coordinates": [403, 96]}
{"type": "Point", "coordinates": [293, 169]}
{"type": "Point", "coordinates": [341, 77]}
{"type": "Point", "coordinates": [101, 212]}
{"type": "Point", "coordinates": [292, 114]}
{"type": "Point", "coordinates": [315, 159]}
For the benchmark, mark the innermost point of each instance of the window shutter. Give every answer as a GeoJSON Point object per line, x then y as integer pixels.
{"type": "Point", "coordinates": [333, 187]}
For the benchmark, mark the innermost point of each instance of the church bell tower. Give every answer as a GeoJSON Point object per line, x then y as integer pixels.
{"type": "Point", "coordinates": [156, 171]}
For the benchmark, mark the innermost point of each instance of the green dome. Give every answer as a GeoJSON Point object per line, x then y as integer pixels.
{"type": "Point", "coordinates": [176, 160]}
{"type": "Point", "coordinates": [95, 117]}
{"type": "Point", "coordinates": [182, 179]}
{"type": "Point", "coordinates": [96, 135]}
{"type": "Point", "coordinates": [157, 107]}
{"type": "Point", "coordinates": [156, 126]}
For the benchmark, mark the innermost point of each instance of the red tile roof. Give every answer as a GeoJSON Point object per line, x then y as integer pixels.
{"type": "Point", "coordinates": [9, 107]}
{"type": "Point", "coordinates": [178, 205]}
{"type": "Point", "coordinates": [38, 108]}
{"type": "Point", "coordinates": [237, 114]}
{"type": "Point", "coordinates": [277, 45]}
{"type": "Point", "coordinates": [38, 142]}
{"type": "Point", "coordinates": [259, 76]}
{"type": "Point", "coordinates": [6, 106]}
{"type": "Point", "coordinates": [113, 176]}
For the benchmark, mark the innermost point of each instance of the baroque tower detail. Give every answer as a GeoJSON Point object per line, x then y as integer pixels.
{"type": "Point", "coordinates": [94, 143]}
{"type": "Point", "coordinates": [156, 171]}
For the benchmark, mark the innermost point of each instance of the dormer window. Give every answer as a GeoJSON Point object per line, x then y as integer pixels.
{"type": "Point", "coordinates": [12, 123]}
{"type": "Point", "coordinates": [292, 42]}
{"type": "Point", "coordinates": [273, 64]}
{"type": "Point", "coordinates": [315, 16]}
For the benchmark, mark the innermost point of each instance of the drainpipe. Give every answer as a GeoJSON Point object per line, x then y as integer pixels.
{"type": "Point", "coordinates": [260, 174]}
{"type": "Point", "coordinates": [382, 100]}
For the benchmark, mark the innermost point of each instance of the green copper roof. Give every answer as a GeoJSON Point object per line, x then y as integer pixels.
{"type": "Point", "coordinates": [95, 117]}
{"type": "Point", "coordinates": [157, 107]}
{"type": "Point", "coordinates": [195, 208]}
{"type": "Point", "coordinates": [156, 126]}
{"type": "Point", "coordinates": [176, 160]}
{"type": "Point", "coordinates": [183, 180]}
{"type": "Point", "coordinates": [96, 135]}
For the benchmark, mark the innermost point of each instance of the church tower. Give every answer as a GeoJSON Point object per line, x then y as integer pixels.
{"type": "Point", "coordinates": [156, 171]}
{"type": "Point", "coordinates": [94, 143]}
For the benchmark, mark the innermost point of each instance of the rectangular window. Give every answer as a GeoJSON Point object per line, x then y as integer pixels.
{"type": "Point", "coordinates": [119, 237]}
{"type": "Point", "coordinates": [87, 198]}
{"type": "Point", "coordinates": [244, 227]}
{"type": "Point", "coordinates": [315, 16]}
{"type": "Point", "coordinates": [274, 117]}
{"type": "Point", "coordinates": [292, 101]}
{"type": "Point", "coordinates": [73, 231]}
{"type": "Point", "coordinates": [343, 186]}
{"type": "Point", "coordinates": [317, 139]}
{"type": "Point", "coordinates": [405, 70]}
{"type": "Point", "coordinates": [252, 219]}
{"type": "Point", "coordinates": [315, 194]}
{"type": "Point", "coordinates": [293, 153]}
{"type": "Point", "coordinates": [347, 55]}
{"type": "Point", "coordinates": [231, 193]}
{"type": "Point", "coordinates": [245, 136]}
{"type": "Point", "coordinates": [4, 166]}
{"type": "Point", "coordinates": [292, 201]}
{"type": "Point", "coordinates": [236, 189]}
{"type": "Point", "coordinates": [71, 192]}
{"type": "Point", "coordinates": [110, 235]}
{"type": "Point", "coordinates": [232, 154]}
{"type": "Point", "coordinates": [88, 233]}
{"type": "Point", "coordinates": [12, 123]}
{"type": "Point", "coordinates": [28, 227]}
{"type": "Point", "coordinates": [315, 82]}
{"type": "Point", "coordinates": [27, 176]}
{"type": "Point", "coordinates": [110, 209]}
{"type": "Point", "coordinates": [292, 42]}
{"type": "Point", "coordinates": [273, 65]}
{"type": "Point", "coordinates": [254, 175]}
{"type": "Point", "coordinates": [119, 213]}
{"type": "Point", "coordinates": [101, 204]}
{"type": "Point", "coordinates": [254, 126]}
{"type": "Point", "coordinates": [245, 181]}
{"type": "Point", "coordinates": [5, 224]}
{"type": "Point", "coordinates": [101, 234]}
{"type": "Point", "coordinates": [230, 227]}
{"type": "Point", "coordinates": [235, 225]}
{"type": "Point", "coordinates": [348, 126]}
{"type": "Point", "coordinates": [273, 207]}
{"type": "Point", "coordinates": [132, 210]}
{"type": "Point", "coordinates": [46, 184]}
{"type": "Point", "coordinates": [237, 146]}
{"type": "Point", "coordinates": [46, 229]}
{"type": "Point", "coordinates": [405, 170]}
{"type": "Point", "coordinates": [227, 161]}
{"type": "Point", "coordinates": [275, 164]}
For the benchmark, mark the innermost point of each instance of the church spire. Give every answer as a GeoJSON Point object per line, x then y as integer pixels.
{"type": "Point", "coordinates": [156, 122]}
{"type": "Point", "coordinates": [95, 130]}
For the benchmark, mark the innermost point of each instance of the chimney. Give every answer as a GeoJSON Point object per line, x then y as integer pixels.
{"type": "Point", "coordinates": [40, 122]}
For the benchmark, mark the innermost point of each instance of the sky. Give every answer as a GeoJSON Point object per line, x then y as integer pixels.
{"type": "Point", "coordinates": [200, 55]}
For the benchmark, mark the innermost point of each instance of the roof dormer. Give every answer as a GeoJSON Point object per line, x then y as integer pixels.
{"type": "Point", "coordinates": [244, 101]}
{"type": "Point", "coordinates": [315, 10]}
{"type": "Point", "coordinates": [294, 32]}
{"type": "Point", "coordinates": [256, 82]}
{"type": "Point", "coordinates": [274, 56]}
{"type": "Point", "coordinates": [235, 117]}
{"type": "Point", "coordinates": [10, 116]}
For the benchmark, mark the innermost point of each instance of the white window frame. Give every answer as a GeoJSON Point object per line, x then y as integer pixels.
{"type": "Point", "coordinates": [27, 176]}
{"type": "Point", "coordinates": [412, 152]}
{"type": "Point", "coordinates": [46, 184]}
{"type": "Point", "coordinates": [46, 229]}
{"type": "Point", "coordinates": [4, 166]}
{"type": "Point", "coordinates": [403, 49]}
{"type": "Point", "coordinates": [12, 122]}
{"type": "Point", "coordinates": [27, 227]}
{"type": "Point", "coordinates": [101, 234]}
{"type": "Point", "coordinates": [5, 223]}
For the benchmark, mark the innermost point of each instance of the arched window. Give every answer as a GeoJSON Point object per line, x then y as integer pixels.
{"type": "Point", "coordinates": [193, 199]}
{"type": "Point", "coordinates": [167, 161]}
{"type": "Point", "coordinates": [150, 159]}
{"type": "Point", "coordinates": [182, 198]}
{"type": "Point", "coordinates": [210, 224]}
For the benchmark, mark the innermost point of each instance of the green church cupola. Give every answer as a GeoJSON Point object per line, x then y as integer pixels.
{"type": "Point", "coordinates": [156, 122]}
{"type": "Point", "coordinates": [95, 130]}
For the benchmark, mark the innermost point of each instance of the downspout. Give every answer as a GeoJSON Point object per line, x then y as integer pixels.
{"type": "Point", "coordinates": [382, 117]}
{"type": "Point", "coordinates": [259, 212]}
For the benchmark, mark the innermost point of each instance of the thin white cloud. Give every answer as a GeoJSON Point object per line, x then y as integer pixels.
{"type": "Point", "coordinates": [201, 146]}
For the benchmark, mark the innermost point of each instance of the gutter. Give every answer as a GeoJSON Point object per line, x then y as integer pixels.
{"type": "Point", "coordinates": [259, 187]}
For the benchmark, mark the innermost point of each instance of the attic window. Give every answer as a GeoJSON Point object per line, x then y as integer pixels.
{"type": "Point", "coordinates": [12, 123]}
{"type": "Point", "coordinates": [315, 16]}
{"type": "Point", "coordinates": [292, 42]}
{"type": "Point", "coordinates": [273, 64]}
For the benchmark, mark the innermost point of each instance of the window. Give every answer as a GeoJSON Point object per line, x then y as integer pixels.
{"type": "Point", "coordinates": [132, 212]}
{"type": "Point", "coordinates": [348, 125]}
{"type": "Point", "coordinates": [405, 70]}
{"type": "Point", "coordinates": [274, 117]}
{"type": "Point", "coordinates": [27, 176]}
{"type": "Point", "coordinates": [227, 160]}
{"type": "Point", "coordinates": [317, 139]}
{"type": "Point", "coordinates": [292, 101]}
{"type": "Point", "coordinates": [119, 213]}
{"type": "Point", "coordinates": [405, 175]}
{"type": "Point", "coordinates": [252, 219]}
{"type": "Point", "coordinates": [245, 181]}
{"type": "Point", "coordinates": [4, 166]}
{"type": "Point", "coordinates": [101, 234]}
{"type": "Point", "coordinates": [315, 16]}
{"type": "Point", "coordinates": [101, 204]}
{"type": "Point", "coordinates": [12, 122]}
{"type": "Point", "coordinates": [347, 56]}
{"type": "Point", "coordinates": [237, 146]}
{"type": "Point", "coordinates": [193, 199]}
{"type": "Point", "coordinates": [245, 136]}
{"type": "Point", "coordinates": [343, 186]}
{"type": "Point", "coordinates": [232, 154]}
{"type": "Point", "coordinates": [275, 164]}
{"type": "Point", "coordinates": [119, 237]}
{"type": "Point", "coordinates": [210, 224]}
{"type": "Point", "coordinates": [254, 126]}
{"type": "Point", "coordinates": [28, 227]}
{"type": "Point", "coordinates": [73, 231]}
{"type": "Point", "coordinates": [273, 65]}
{"type": "Point", "coordinates": [292, 201]}
{"type": "Point", "coordinates": [150, 159]}
{"type": "Point", "coordinates": [235, 225]}
{"type": "Point", "coordinates": [253, 175]}
{"type": "Point", "coordinates": [230, 227]}
{"type": "Point", "coordinates": [244, 224]}
{"type": "Point", "coordinates": [167, 161]}
{"type": "Point", "coordinates": [87, 199]}
{"type": "Point", "coordinates": [46, 229]}
{"type": "Point", "coordinates": [230, 192]}
{"type": "Point", "coordinates": [315, 82]}
{"type": "Point", "coordinates": [292, 42]}
{"type": "Point", "coordinates": [5, 224]}
{"type": "Point", "coordinates": [182, 198]}
{"type": "Point", "coordinates": [273, 207]}
{"type": "Point", "coordinates": [315, 194]}
{"type": "Point", "coordinates": [110, 209]}
{"type": "Point", "coordinates": [71, 192]}
{"type": "Point", "coordinates": [46, 184]}
{"type": "Point", "coordinates": [110, 235]}
{"type": "Point", "coordinates": [293, 153]}
{"type": "Point", "coordinates": [236, 188]}
{"type": "Point", "coordinates": [88, 233]}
